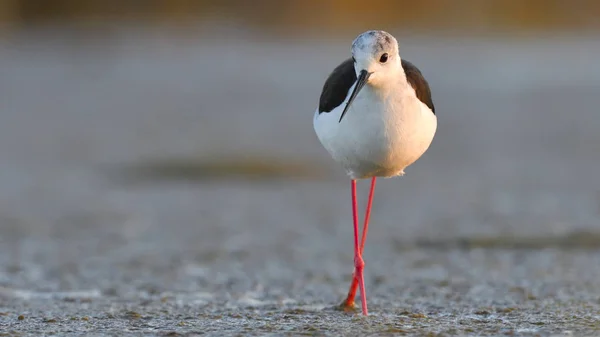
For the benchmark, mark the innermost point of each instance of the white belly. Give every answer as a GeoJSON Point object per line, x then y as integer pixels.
{"type": "Point", "coordinates": [377, 138]}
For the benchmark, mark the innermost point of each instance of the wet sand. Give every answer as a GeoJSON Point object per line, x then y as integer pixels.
{"type": "Point", "coordinates": [154, 185]}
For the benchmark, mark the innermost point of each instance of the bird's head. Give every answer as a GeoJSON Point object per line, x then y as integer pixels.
{"type": "Point", "coordinates": [376, 61]}
{"type": "Point", "coordinates": [375, 53]}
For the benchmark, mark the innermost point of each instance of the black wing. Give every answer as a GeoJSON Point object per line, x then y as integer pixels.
{"type": "Point", "coordinates": [342, 78]}
{"type": "Point", "coordinates": [418, 82]}
{"type": "Point", "coordinates": [337, 85]}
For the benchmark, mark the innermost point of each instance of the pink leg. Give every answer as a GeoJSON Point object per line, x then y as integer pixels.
{"type": "Point", "coordinates": [367, 215]}
{"type": "Point", "coordinates": [357, 278]}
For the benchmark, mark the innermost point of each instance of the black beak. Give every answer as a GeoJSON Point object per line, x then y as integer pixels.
{"type": "Point", "coordinates": [360, 83]}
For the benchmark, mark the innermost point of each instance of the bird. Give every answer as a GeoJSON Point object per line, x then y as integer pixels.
{"type": "Point", "coordinates": [375, 118]}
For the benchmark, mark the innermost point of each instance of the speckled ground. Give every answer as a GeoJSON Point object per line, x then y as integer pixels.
{"type": "Point", "coordinates": [134, 201]}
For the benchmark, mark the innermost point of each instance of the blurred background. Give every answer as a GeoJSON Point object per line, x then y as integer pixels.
{"type": "Point", "coordinates": [167, 145]}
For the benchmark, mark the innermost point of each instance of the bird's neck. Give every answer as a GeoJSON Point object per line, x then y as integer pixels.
{"type": "Point", "coordinates": [394, 82]}
{"type": "Point", "coordinates": [399, 75]}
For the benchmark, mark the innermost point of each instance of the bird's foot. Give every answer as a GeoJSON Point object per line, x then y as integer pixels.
{"type": "Point", "coordinates": [347, 306]}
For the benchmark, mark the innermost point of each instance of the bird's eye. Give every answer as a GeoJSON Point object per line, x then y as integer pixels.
{"type": "Point", "coordinates": [383, 58]}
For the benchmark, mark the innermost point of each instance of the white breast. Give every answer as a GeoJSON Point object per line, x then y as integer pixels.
{"type": "Point", "coordinates": [379, 136]}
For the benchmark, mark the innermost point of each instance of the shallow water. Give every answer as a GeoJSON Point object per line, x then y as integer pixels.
{"type": "Point", "coordinates": [153, 183]}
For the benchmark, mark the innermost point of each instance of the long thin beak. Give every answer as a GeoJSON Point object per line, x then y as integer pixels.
{"type": "Point", "coordinates": [360, 83]}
